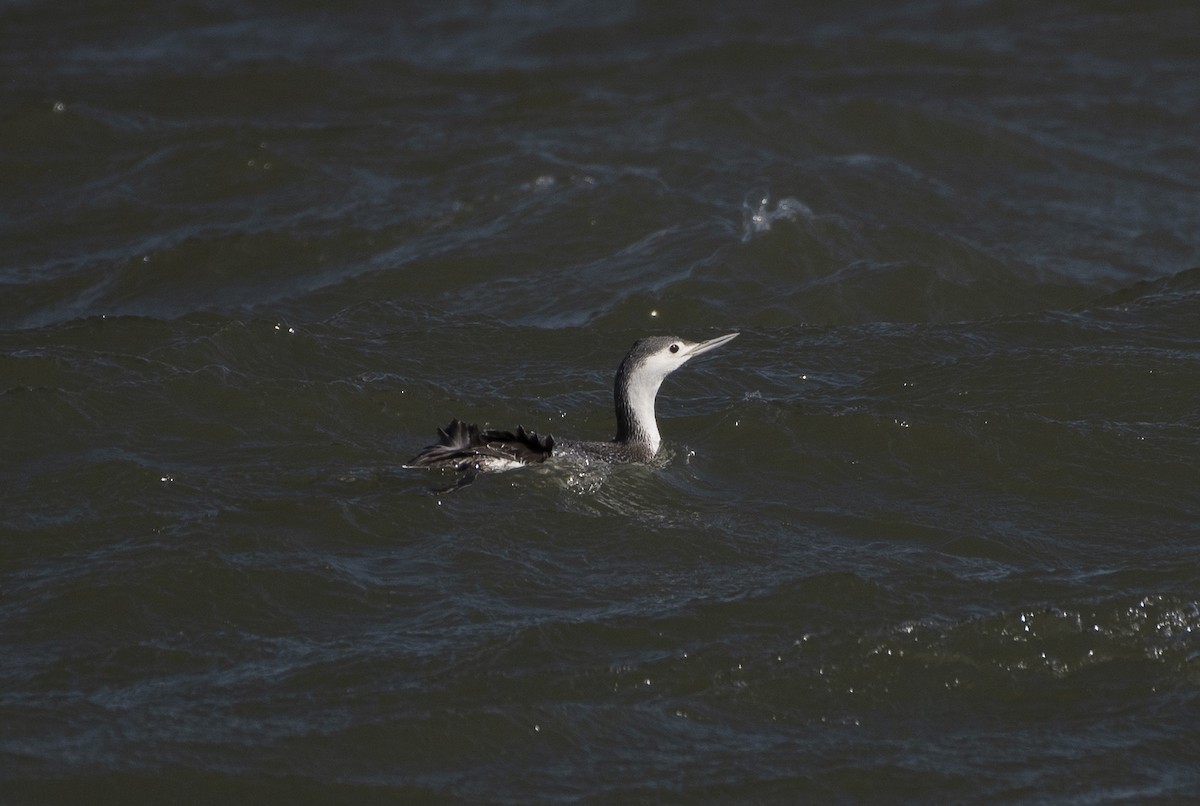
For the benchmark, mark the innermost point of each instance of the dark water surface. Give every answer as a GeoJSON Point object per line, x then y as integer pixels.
{"type": "Point", "coordinates": [928, 531]}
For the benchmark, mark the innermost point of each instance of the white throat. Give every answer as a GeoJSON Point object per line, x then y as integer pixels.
{"type": "Point", "coordinates": [643, 425]}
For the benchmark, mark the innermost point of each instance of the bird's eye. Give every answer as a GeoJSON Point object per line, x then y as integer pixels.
{"type": "Point", "coordinates": [674, 348]}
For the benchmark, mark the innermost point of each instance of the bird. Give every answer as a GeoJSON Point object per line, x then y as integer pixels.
{"type": "Point", "coordinates": [466, 447]}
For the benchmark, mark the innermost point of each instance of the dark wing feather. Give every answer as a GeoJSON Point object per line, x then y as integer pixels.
{"type": "Point", "coordinates": [460, 446]}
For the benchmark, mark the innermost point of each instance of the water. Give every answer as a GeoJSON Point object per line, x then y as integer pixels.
{"type": "Point", "coordinates": [927, 531]}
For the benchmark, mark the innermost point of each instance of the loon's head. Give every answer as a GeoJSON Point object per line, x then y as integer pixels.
{"type": "Point", "coordinates": [653, 358]}
{"type": "Point", "coordinates": [639, 377]}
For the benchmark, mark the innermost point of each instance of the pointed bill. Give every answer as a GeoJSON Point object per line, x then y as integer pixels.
{"type": "Point", "coordinates": [712, 344]}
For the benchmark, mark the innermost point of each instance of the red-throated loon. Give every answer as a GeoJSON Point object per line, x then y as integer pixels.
{"type": "Point", "coordinates": [650, 360]}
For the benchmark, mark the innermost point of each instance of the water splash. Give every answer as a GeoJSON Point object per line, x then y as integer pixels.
{"type": "Point", "coordinates": [757, 215]}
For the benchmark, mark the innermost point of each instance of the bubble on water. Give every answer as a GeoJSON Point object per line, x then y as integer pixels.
{"type": "Point", "coordinates": [543, 182]}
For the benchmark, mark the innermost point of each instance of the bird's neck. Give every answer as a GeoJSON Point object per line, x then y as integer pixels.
{"type": "Point", "coordinates": [636, 423]}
